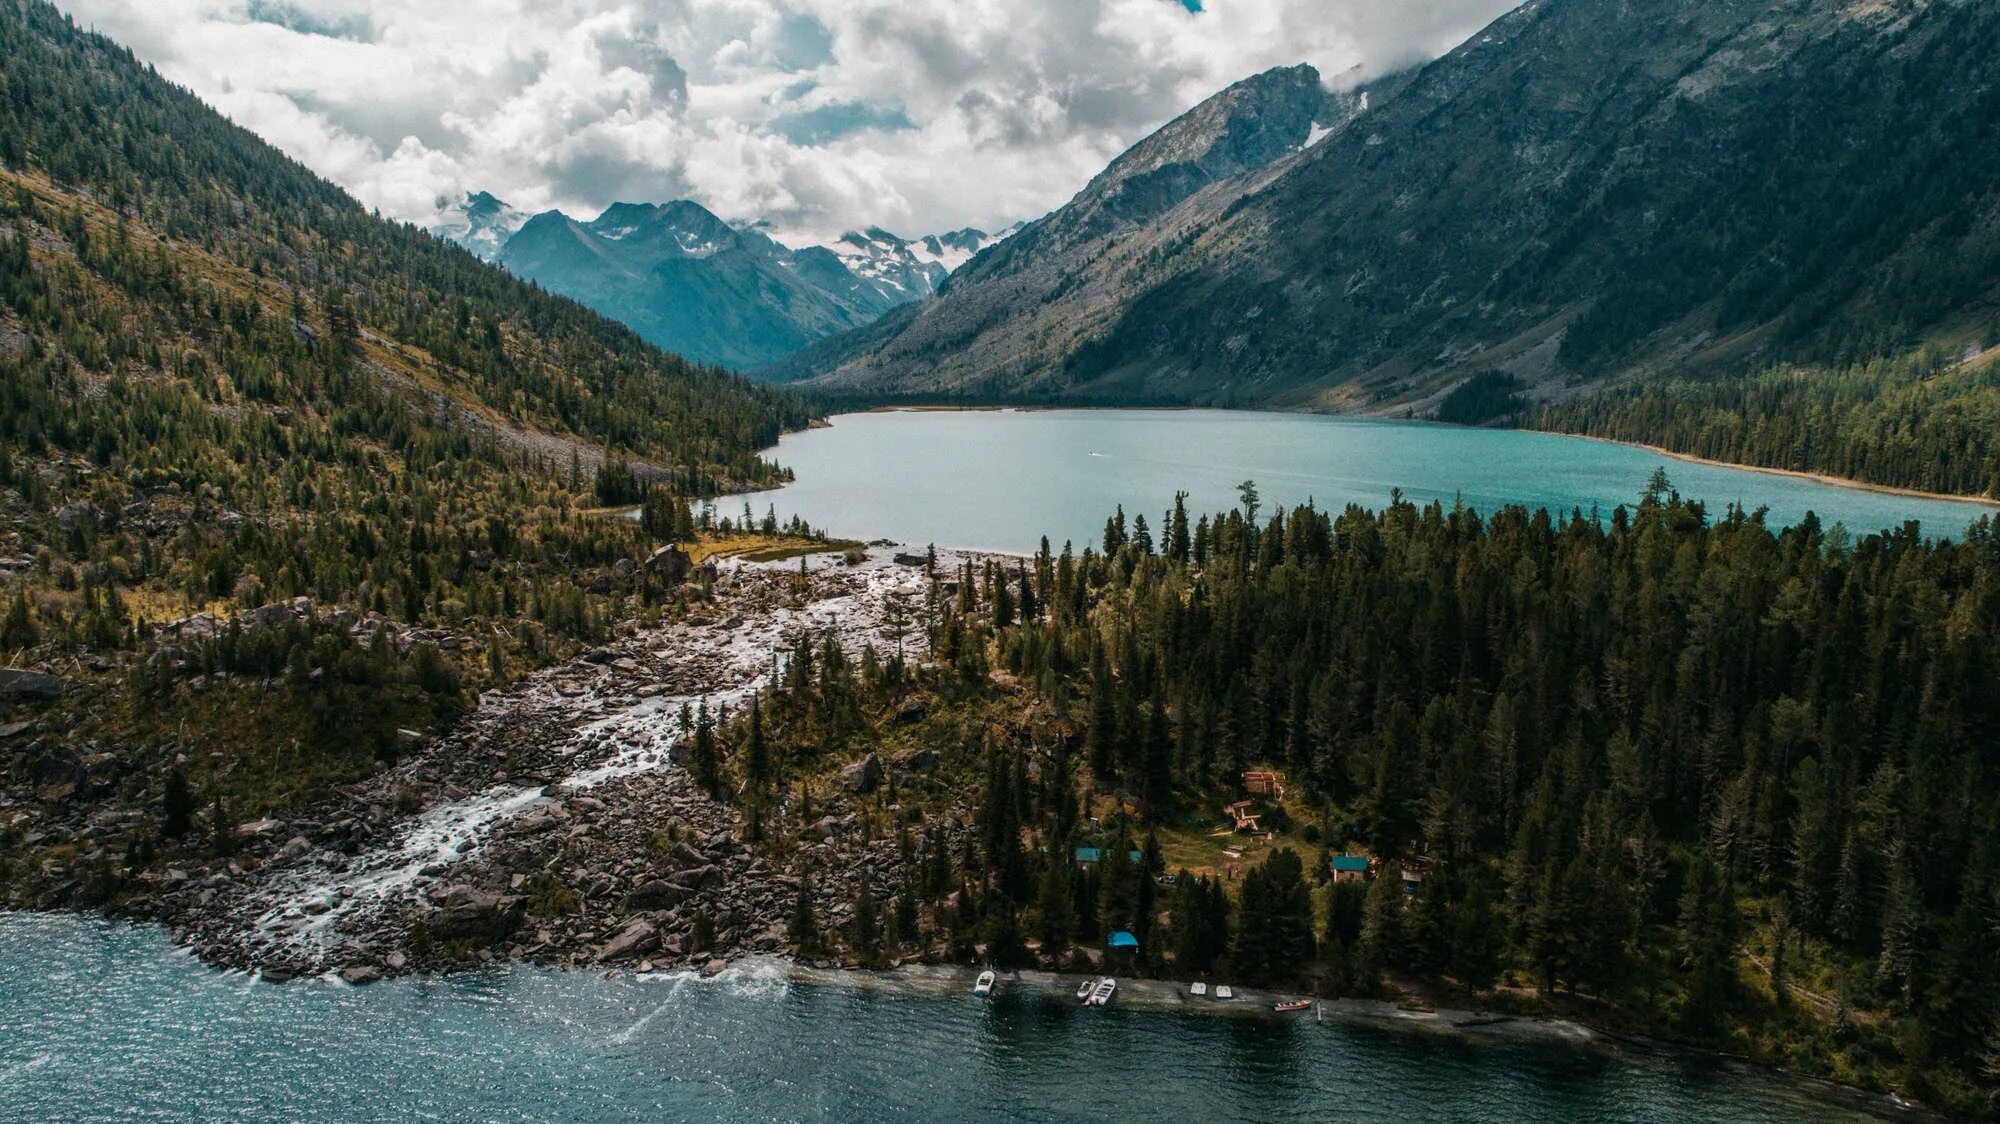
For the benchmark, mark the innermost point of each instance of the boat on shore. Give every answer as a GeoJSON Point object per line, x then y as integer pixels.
{"type": "Point", "coordinates": [1084, 989]}
{"type": "Point", "coordinates": [1102, 993]}
{"type": "Point", "coordinates": [1291, 1005]}
{"type": "Point", "coordinates": [984, 986]}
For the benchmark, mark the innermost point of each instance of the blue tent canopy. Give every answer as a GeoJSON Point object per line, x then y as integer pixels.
{"type": "Point", "coordinates": [1122, 939]}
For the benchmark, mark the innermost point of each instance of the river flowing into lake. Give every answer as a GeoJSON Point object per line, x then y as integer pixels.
{"type": "Point", "coordinates": [101, 1020]}
{"type": "Point", "coordinates": [1001, 479]}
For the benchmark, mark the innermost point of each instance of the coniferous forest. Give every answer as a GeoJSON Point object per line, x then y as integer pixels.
{"type": "Point", "coordinates": [1683, 770]}
{"type": "Point", "coordinates": [1928, 420]}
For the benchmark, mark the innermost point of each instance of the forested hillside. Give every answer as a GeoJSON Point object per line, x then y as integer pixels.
{"type": "Point", "coordinates": [1926, 420]}
{"type": "Point", "coordinates": [1677, 771]}
{"type": "Point", "coordinates": [282, 477]}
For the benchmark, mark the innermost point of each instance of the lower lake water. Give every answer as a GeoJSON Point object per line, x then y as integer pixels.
{"type": "Point", "coordinates": [108, 1021]}
{"type": "Point", "coordinates": [1001, 479]}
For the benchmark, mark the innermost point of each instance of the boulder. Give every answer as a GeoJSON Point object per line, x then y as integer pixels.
{"type": "Point", "coordinates": [257, 829]}
{"type": "Point", "coordinates": [910, 712]}
{"type": "Point", "coordinates": [671, 563]}
{"type": "Point", "coordinates": [702, 877]}
{"type": "Point", "coordinates": [657, 893]}
{"type": "Point", "coordinates": [359, 974]}
{"type": "Point", "coordinates": [18, 683]}
{"type": "Point", "coordinates": [73, 515]}
{"type": "Point", "coordinates": [862, 777]}
{"type": "Point", "coordinates": [277, 614]}
{"type": "Point", "coordinates": [466, 911]}
{"type": "Point", "coordinates": [920, 760]}
{"type": "Point", "coordinates": [639, 935]}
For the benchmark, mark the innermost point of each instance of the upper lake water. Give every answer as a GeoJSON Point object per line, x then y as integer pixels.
{"type": "Point", "coordinates": [106, 1021]}
{"type": "Point", "coordinates": [1002, 479]}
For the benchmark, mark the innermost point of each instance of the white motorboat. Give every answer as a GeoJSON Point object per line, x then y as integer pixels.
{"type": "Point", "coordinates": [1084, 989]}
{"type": "Point", "coordinates": [984, 986]}
{"type": "Point", "coordinates": [1102, 993]}
{"type": "Point", "coordinates": [1198, 989]}
{"type": "Point", "coordinates": [1224, 991]}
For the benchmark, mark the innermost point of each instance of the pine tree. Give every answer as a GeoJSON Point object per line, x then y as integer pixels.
{"type": "Point", "coordinates": [18, 630]}
{"type": "Point", "coordinates": [803, 929]}
{"type": "Point", "coordinates": [177, 806]}
{"type": "Point", "coordinates": [1381, 929]}
{"type": "Point", "coordinates": [866, 937]}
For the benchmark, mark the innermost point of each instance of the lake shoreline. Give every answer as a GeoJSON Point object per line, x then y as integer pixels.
{"type": "Point", "coordinates": [1827, 479]}
{"type": "Point", "coordinates": [1172, 997]}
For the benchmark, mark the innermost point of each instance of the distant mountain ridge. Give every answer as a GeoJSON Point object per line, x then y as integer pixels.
{"type": "Point", "coordinates": [987, 329]}
{"type": "Point", "coordinates": [706, 289]}
{"type": "Point", "coordinates": [1584, 193]}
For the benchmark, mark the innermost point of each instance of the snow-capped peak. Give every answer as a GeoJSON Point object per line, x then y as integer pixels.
{"type": "Point", "coordinates": [479, 222]}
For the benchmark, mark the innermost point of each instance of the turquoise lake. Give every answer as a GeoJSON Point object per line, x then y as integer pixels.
{"type": "Point", "coordinates": [104, 1021]}
{"type": "Point", "coordinates": [1001, 479]}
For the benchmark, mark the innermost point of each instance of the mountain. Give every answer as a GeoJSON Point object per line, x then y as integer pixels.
{"type": "Point", "coordinates": [904, 270]}
{"type": "Point", "coordinates": [1585, 193]}
{"type": "Point", "coordinates": [983, 327]}
{"type": "Point", "coordinates": [481, 224]}
{"type": "Point", "coordinates": [721, 293]}
{"type": "Point", "coordinates": [294, 477]}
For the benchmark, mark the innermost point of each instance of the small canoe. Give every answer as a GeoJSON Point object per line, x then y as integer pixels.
{"type": "Point", "coordinates": [1292, 1005]}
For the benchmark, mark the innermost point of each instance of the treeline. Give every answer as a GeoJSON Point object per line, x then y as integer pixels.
{"type": "Point", "coordinates": [1923, 420]}
{"type": "Point", "coordinates": [1736, 780]}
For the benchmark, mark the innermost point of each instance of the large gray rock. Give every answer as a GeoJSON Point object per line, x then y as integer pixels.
{"type": "Point", "coordinates": [657, 894]}
{"type": "Point", "coordinates": [18, 683]}
{"type": "Point", "coordinates": [639, 935]}
{"type": "Point", "coordinates": [466, 911]}
{"type": "Point", "coordinates": [702, 877]}
{"type": "Point", "coordinates": [277, 614]}
{"type": "Point", "coordinates": [862, 777]}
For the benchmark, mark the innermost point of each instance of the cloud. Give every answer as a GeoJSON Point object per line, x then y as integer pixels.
{"type": "Point", "coordinates": [816, 115]}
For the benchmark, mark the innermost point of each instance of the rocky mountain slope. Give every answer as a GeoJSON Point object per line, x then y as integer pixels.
{"type": "Point", "coordinates": [1584, 192]}
{"type": "Point", "coordinates": [703, 288]}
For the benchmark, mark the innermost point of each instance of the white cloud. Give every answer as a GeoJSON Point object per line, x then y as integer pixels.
{"type": "Point", "coordinates": [818, 115]}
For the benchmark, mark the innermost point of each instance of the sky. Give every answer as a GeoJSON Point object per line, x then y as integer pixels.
{"type": "Point", "coordinates": [816, 116]}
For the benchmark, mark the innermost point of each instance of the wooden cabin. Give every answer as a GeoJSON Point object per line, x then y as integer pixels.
{"type": "Point", "coordinates": [1265, 783]}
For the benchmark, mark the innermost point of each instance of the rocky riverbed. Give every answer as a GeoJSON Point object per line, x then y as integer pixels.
{"type": "Point", "coordinates": [557, 823]}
